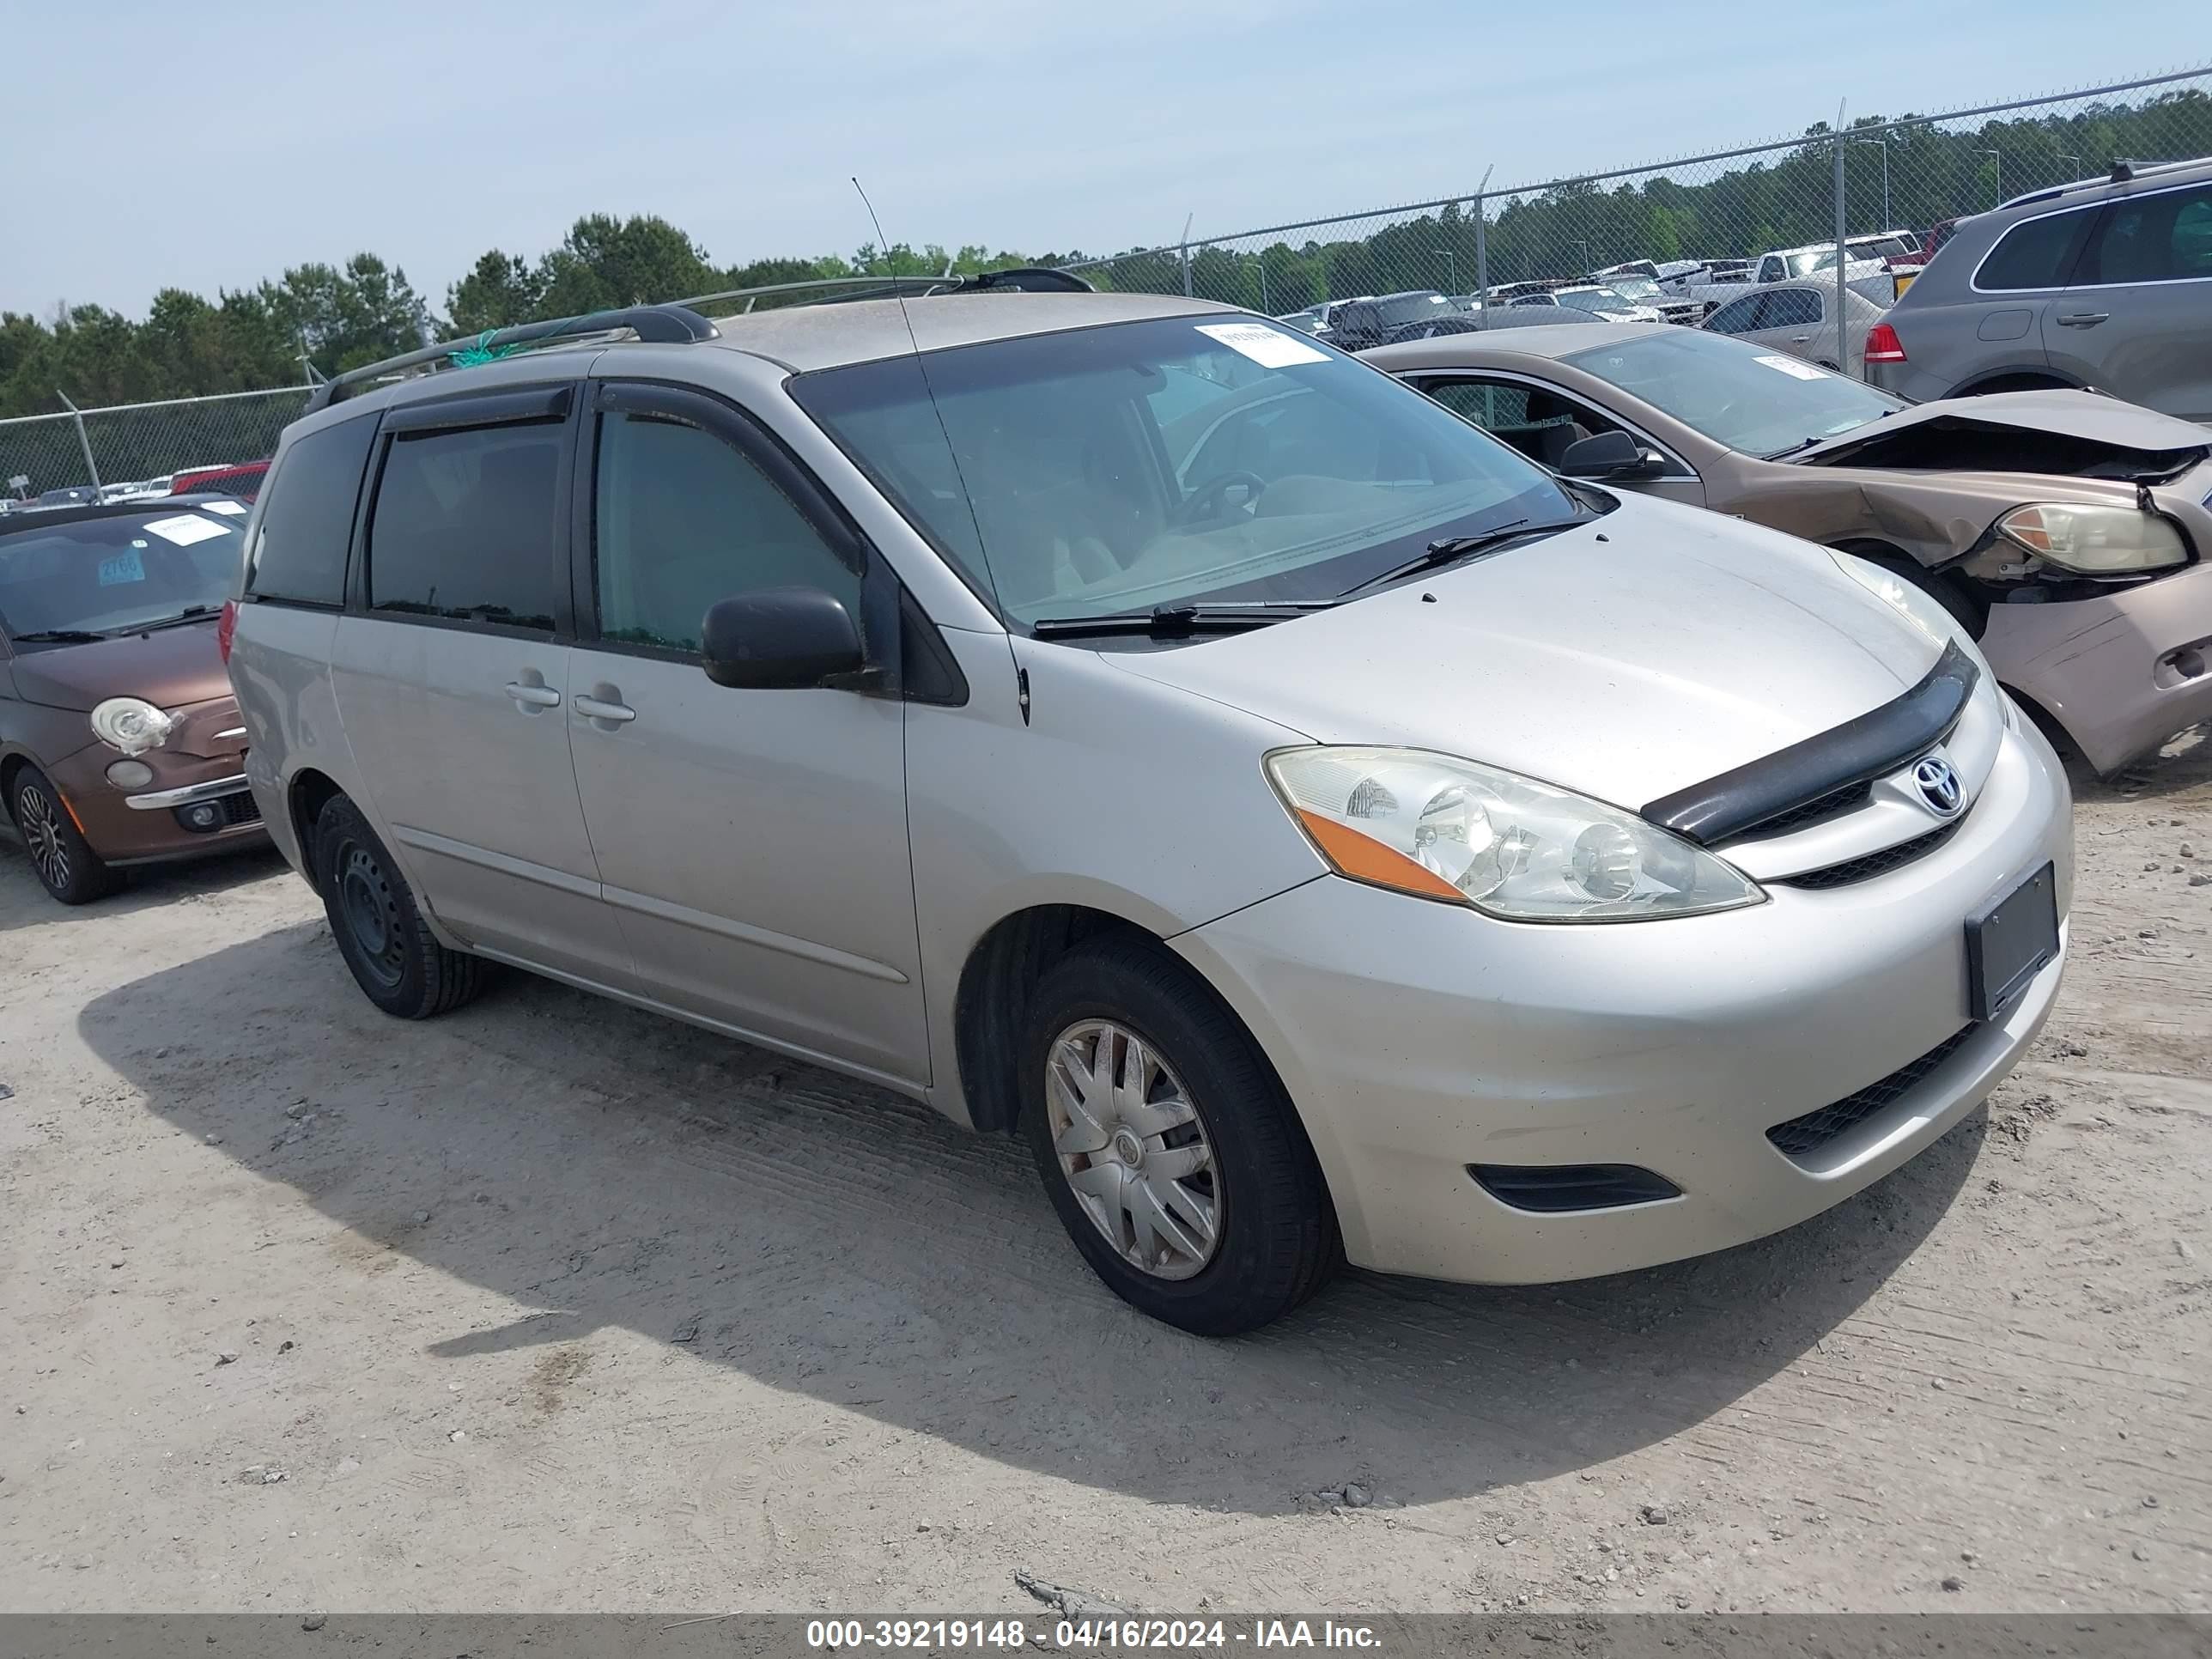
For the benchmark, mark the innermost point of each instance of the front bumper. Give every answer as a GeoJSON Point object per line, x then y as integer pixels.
{"type": "Point", "coordinates": [1419, 1038]}
{"type": "Point", "coordinates": [141, 826]}
{"type": "Point", "coordinates": [2122, 673]}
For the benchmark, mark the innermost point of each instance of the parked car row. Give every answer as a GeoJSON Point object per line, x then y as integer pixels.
{"type": "Point", "coordinates": [1510, 805]}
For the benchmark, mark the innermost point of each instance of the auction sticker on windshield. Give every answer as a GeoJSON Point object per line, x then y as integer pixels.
{"type": "Point", "coordinates": [1792, 367]}
{"type": "Point", "coordinates": [123, 568]}
{"type": "Point", "coordinates": [185, 528]}
{"type": "Point", "coordinates": [228, 509]}
{"type": "Point", "coordinates": [1267, 347]}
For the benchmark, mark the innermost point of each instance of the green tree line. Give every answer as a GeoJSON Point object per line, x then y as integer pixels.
{"type": "Point", "coordinates": [339, 317]}
{"type": "Point", "coordinates": [1784, 198]}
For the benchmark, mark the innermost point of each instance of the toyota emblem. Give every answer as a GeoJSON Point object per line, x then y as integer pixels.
{"type": "Point", "coordinates": [1938, 785]}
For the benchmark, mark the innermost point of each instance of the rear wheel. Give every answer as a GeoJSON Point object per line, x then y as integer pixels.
{"type": "Point", "coordinates": [396, 959]}
{"type": "Point", "coordinates": [1167, 1145]}
{"type": "Point", "coordinates": [2015, 383]}
{"type": "Point", "coordinates": [1950, 591]}
{"type": "Point", "coordinates": [66, 864]}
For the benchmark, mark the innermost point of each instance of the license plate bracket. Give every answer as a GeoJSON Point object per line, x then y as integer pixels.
{"type": "Point", "coordinates": [2008, 943]}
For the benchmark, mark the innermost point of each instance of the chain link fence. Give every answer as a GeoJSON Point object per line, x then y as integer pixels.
{"type": "Point", "coordinates": [1682, 237]}
{"type": "Point", "coordinates": [141, 447]}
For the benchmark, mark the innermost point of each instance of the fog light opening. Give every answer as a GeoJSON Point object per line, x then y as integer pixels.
{"type": "Point", "coordinates": [201, 817]}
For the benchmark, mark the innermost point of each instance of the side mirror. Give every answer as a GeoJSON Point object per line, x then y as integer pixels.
{"type": "Point", "coordinates": [780, 639]}
{"type": "Point", "coordinates": [1610, 455]}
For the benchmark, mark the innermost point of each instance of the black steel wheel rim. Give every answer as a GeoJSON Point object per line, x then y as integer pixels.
{"type": "Point", "coordinates": [371, 909]}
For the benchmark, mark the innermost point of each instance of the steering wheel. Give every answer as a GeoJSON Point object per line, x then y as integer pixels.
{"type": "Point", "coordinates": [1210, 499]}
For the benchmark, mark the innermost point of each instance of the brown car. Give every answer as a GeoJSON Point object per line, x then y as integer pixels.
{"type": "Point", "coordinates": [120, 743]}
{"type": "Point", "coordinates": [2070, 533]}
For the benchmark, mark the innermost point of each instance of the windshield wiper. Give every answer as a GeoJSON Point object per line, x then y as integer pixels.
{"type": "Point", "coordinates": [1172, 622]}
{"type": "Point", "coordinates": [59, 636]}
{"type": "Point", "coordinates": [190, 613]}
{"type": "Point", "coordinates": [1450, 550]}
{"type": "Point", "coordinates": [1791, 449]}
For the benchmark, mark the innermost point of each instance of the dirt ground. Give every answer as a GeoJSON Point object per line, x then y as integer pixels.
{"type": "Point", "coordinates": [552, 1305]}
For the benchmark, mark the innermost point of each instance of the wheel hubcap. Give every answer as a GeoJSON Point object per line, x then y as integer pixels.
{"type": "Point", "coordinates": [42, 834]}
{"type": "Point", "coordinates": [1132, 1148]}
{"type": "Point", "coordinates": [370, 910]}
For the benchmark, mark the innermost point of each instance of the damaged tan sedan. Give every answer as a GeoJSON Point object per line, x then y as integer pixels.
{"type": "Point", "coordinates": [2069, 531]}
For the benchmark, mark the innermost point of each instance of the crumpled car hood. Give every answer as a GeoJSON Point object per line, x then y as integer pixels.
{"type": "Point", "coordinates": [2066, 414]}
{"type": "Point", "coordinates": [1631, 657]}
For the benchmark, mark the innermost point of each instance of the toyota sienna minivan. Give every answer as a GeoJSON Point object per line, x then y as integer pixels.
{"type": "Point", "coordinates": [1320, 831]}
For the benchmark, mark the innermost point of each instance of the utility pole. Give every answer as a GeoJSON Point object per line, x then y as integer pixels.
{"type": "Point", "coordinates": [1997, 156]}
{"type": "Point", "coordinates": [82, 442]}
{"type": "Point", "coordinates": [1482, 248]}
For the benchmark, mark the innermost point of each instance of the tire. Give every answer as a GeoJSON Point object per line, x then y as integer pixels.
{"type": "Point", "coordinates": [64, 860]}
{"type": "Point", "coordinates": [395, 958]}
{"type": "Point", "coordinates": [1276, 1239]}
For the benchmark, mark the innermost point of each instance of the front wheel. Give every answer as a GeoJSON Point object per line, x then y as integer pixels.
{"type": "Point", "coordinates": [66, 864]}
{"type": "Point", "coordinates": [396, 959]}
{"type": "Point", "coordinates": [1167, 1145]}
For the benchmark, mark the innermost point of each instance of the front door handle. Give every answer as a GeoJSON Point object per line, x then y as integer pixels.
{"type": "Point", "coordinates": [2083, 318]}
{"type": "Point", "coordinates": [532, 694]}
{"type": "Point", "coordinates": [595, 708]}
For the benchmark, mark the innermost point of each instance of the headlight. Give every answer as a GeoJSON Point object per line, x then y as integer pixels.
{"type": "Point", "coordinates": [2094, 541]}
{"type": "Point", "coordinates": [130, 724]}
{"type": "Point", "coordinates": [1442, 828]}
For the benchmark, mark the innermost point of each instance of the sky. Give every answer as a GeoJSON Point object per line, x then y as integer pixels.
{"type": "Point", "coordinates": [143, 155]}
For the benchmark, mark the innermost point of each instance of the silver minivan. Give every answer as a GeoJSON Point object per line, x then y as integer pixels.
{"type": "Point", "coordinates": [1322, 832]}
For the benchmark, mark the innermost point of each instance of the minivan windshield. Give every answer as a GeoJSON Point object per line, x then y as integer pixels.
{"type": "Point", "coordinates": [1166, 462]}
{"type": "Point", "coordinates": [94, 577]}
{"type": "Point", "coordinates": [1760, 402]}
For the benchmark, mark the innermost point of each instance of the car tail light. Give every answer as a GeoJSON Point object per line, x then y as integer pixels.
{"type": "Point", "coordinates": [1882, 345]}
{"type": "Point", "coordinates": [226, 629]}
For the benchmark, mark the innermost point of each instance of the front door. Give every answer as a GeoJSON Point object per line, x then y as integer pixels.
{"type": "Point", "coordinates": [451, 669]}
{"type": "Point", "coordinates": [753, 842]}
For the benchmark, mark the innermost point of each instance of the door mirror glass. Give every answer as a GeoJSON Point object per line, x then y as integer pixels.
{"type": "Point", "coordinates": [780, 639]}
{"type": "Point", "coordinates": [1610, 455]}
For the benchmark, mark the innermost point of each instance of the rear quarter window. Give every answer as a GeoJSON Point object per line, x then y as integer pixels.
{"type": "Point", "coordinates": [299, 553]}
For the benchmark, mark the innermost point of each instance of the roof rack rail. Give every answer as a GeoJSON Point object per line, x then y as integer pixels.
{"type": "Point", "coordinates": [1022, 279]}
{"type": "Point", "coordinates": [662, 324]}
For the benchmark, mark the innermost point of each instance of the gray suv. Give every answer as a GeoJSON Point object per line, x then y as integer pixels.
{"type": "Point", "coordinates": [1317, 828]}
{"type": "Point", "coordinates": [2105, 284]}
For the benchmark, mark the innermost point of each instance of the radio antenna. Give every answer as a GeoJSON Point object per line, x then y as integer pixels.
{"type": "Point", "coordinates": [951, 452]}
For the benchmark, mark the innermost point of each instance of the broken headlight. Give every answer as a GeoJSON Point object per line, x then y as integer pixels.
{"type": "Point", "coordinates": [2094, 541]}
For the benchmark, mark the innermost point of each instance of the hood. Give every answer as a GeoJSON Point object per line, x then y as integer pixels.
{"type": "Point", "coordinates": [1636, 655]}
{"type": "Point", "coordinates": [169, 668]}
{"type": "Point", "coordinates": [2076, 418]}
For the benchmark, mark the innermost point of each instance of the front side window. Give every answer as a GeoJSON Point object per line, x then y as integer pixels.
{"type": "Point", "coordinates": [1754, 401]}
{"type": "Point", "coordinates": [462, 528]}
{"type": "Point", "coordinates": [682, 520]}
{"type": "Point", "coordinates": [1067, 491]}
{"type": "Point", "coordinates": [1738, 316]}
{"type": "Point", "coordinates": [97, 577]}
{"type": "Point", "coordinates": [2035, 253]}
{"type": "Point", "coordinates": [1538, 422]}
{"type": "Point", "coordinates": [2163, 238]}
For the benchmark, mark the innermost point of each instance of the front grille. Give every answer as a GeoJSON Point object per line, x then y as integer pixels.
{"type": "Point", "coordinates": [240, 808]}
{"type": "Point", "coordinates": [1872, 864]}
{"type": "Point", "coordinates": [1834, 803]}
{"type": "Point", "coordinates": [1802, 1136]}
{"type": "Point", "coordinates": [1553, 1189]}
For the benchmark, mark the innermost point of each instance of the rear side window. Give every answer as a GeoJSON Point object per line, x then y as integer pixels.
{"type": "Point", "coordinates": [2035, 253]}
{"type": "Point", "coordinates": [2163, 238]}
{"type": "Point", "coordinates": [1737, 316]}
{"type": "Point", "coordinates": [300, 551]}
{"type": "Point", "coordinates": [1791, 309]}
{"type": "Point", "coordinates": [463, 526]}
